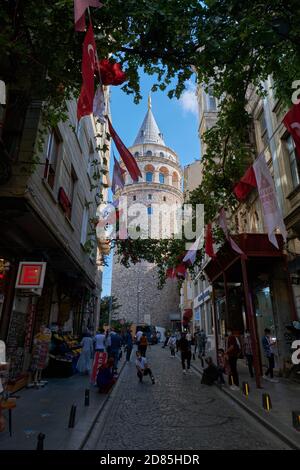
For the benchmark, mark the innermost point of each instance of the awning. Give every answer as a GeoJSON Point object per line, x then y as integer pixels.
{"type": "Point", "coordinates": [254, 245]}
{"type": "Point", "coordinates": [187, 314]}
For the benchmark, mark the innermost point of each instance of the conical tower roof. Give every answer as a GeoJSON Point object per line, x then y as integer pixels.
{"type": "Point", "coordinates": [149, 132]}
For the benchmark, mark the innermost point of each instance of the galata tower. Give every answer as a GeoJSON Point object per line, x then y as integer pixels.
{"type": "Point", "coordinates": [142, 303]}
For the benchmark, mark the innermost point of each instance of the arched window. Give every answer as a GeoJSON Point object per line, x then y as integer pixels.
{"type": "Point", "coordinates": [149, 176]}
{"type": "Point", "coordinates": [175, 179]}
{"type": "Point", "coordinates": [137, 154]}
{"type": "Point", "coordinates": [161, 154]}
{"type": "Point", "coordinates": [163, 173]}
{"type": "Point", "coordinates": [148, 153]}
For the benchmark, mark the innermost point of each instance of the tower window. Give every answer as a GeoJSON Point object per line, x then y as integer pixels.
{"type": "Point", "coordinates": [161, 154]}
{"type": "Point", "coordinates": [149, 176]}
{"type": "Point", "coordinates": [164, 198]}
{"type": "Point", "coordinates": [161, 178]}
{"type": "Point", "coordinates": [136, 154]}
{"type": "Point", "coordinates": [134, 198]}
{"type": "Point", "coordinates": [149, 153]}
{"type": "Point", "coordinates": [149, 196]}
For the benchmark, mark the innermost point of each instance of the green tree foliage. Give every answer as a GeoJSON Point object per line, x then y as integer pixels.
{"type": "Point", "coordinates": [230, 44]}
{"type": "Point", "coordinates": [105, 307]}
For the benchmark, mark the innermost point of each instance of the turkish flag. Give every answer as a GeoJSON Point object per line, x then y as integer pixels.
{"type": "Point", "coordinates": [84, 106]}
{"type": "Point", "coordinates": [245, 185]}
{"type": "Point", "coordinates": [209, 248]}
{"type": "Point", "coordinates": [111, 72]}
{"type": "Point", "coordinates": [292, 122]}
{"type": "Point", "coordinates": [89, 63]}
{"type": "Point", "coordinates": [126, 156]}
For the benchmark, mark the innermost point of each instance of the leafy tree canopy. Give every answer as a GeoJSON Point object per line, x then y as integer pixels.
{"type": "Point", "coordinates": [230, 44]}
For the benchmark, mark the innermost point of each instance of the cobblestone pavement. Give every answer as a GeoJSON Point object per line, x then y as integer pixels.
{"type": "Point", "coordinates": [175, 413]}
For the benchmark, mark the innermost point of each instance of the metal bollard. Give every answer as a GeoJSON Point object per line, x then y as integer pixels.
{"type": "Point", "coordinates": [87, 397]}
{"type": "Point", "coordinates": [246, 389]}
{"type": "Point", "coordinates": [266, 400]}
{"type": "Point", "coordinates": [72, 416]}
{"type": "Point", "coordinates": [40, 443]}
{"type": "Point", "coordinates": [296, 420]}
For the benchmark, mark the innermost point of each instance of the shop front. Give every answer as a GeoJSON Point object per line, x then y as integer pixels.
{"type": "Point", "coordinates": [253, 292]}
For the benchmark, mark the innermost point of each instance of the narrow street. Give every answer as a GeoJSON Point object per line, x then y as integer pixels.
{"type": "Point", "coordinates": [176, 413]}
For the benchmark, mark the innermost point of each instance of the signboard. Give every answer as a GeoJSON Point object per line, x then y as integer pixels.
{"type": "Point", "coordinates": [99, 360]}
{"type": "Point", "coordinates": [31, 275]}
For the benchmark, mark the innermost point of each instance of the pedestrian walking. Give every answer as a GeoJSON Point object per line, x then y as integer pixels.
{"type": "Point", "coordinates": [99, 341]}
{"type": "Point", "coordinates": [202, 340]}
{"type": "Point", "coordinates": [143, 369]}
{"type": "Point", "coordinates": [172, 344]}
{"type": "Point", "coordinates": [143, 345]}
{"type": "Point", "coordinates": [221, 365]}
{"type": "Point", "coordinates": [167, 337]}
{"type": "Point", "coordinates": [128, 344]}
{"type": "Point", "coordinates": [247, 346]}
{"type": "Point", "coordinates": [116, 343]}
{"type": "Point", "coordinates": [84, 364]}
{"type": "Point", "coordinates": [186, 353]}
{"type": "Point", "coordinates": [138, 336]}
{"type": "Point", "coordinates": [178, 336]}
{"type": "Point", "coordinates": [268, 344]}
{"type": "Point", "coordinates": [108, 341]}
{"type": "Point", "coordinates": [232, 353]}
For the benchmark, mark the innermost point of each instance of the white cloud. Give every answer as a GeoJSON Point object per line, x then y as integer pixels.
{"type": "Point", "coordinates": [188, 100]}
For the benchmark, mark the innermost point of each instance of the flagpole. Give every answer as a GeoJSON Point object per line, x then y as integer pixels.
{"type": "Point", "coordinates": [96, 52]}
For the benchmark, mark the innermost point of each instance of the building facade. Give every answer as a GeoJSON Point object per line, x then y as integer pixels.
{"type": "Point", "coordinates": [263, 291]}
{"type": "Point", "coordinates": [159, 190]}
{"type": "Point", "coordinates": [47, 209]}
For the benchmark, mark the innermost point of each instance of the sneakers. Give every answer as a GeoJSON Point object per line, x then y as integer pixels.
{"type": "Point", "coordinates": [184, 371]}
{"type": "Point", "coordinates": [275, 381]}
{"type": "Point", "coordinates": [234, 388]}
{"type": "Point", "coordinates": [153, 380]}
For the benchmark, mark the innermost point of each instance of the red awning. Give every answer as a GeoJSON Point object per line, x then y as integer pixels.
{"type": "Point", "coordinates": [187, 314]}
{"type": "Point", "coordinates": [254, 245]}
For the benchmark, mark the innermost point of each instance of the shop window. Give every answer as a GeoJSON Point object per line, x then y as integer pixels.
{"type": "Point", "coordinates": [53, 150]}
{"type": "Point", "coordinates": [293, 161]}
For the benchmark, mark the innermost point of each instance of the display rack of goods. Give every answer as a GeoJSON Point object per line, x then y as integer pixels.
{"type": "Point", "coordinates": [64, 353]}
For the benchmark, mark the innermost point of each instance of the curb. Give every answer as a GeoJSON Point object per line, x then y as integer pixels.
{"type": "Point", "coordinates": [90, 429]}
{"type": "Point", "coordinates": [289, 441]}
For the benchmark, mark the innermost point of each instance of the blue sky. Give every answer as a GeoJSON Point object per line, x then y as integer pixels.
{"type": "Point", "coordinates": [177, 120]}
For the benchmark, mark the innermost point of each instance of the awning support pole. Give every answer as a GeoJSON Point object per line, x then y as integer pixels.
{"type": "Point", "coordinates": [252, 325]}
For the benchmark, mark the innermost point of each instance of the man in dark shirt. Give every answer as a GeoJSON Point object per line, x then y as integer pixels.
{"type": "Point", "coordinates": [186, 353]}
{"type": "Point", "coordinates": [233, 352]}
